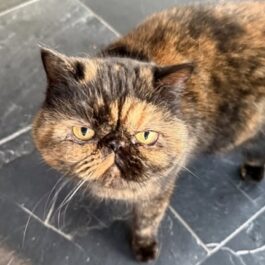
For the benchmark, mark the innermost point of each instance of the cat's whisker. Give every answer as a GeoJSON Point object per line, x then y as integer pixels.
{"type": "Point", "coordinates": [59, 208]}
{"type": "Point", "coordinates": [55, 197]}
{"type": "Point", "coordinates": [67, 204]}
{"type": "Point", "coordinates": [64, 214]}
{"type": "Point", "coordinates": [64, 217]}
{"type": "Point", "coordinates": [29, 218]}
{"type": "Point", "coordinates": [47, 219]}
{"type": "Point", "coordinates": [189, 171]}
{"type": "Point", "coordinates": [69, 197]}
{"type": "Point", "coordinates": [70, 194]}
{"type": "Point", "coordinates": [62, 178]}
{"type": "Point", "coordinates": [54, 200]}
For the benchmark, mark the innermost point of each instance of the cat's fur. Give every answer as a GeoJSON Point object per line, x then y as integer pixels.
{"type": "Point", "coordinates": [194, 74]}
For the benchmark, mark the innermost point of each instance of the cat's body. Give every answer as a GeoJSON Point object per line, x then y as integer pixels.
{"type": "Point", "coordinates": [186, 81]}
{"type": "Point", "coordinates": [225, 98]}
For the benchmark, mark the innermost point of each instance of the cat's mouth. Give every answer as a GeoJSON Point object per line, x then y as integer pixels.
{"type": "Point", "coordinates": [119, 163]}
{"type": "Point", "coordinates": [112, 173]}
{"type": "Point", "coordinates": [110, 179]}
{"type": "Point", "coordinates": [113, 177]}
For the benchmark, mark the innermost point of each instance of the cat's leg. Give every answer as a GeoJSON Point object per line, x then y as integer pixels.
{"type": "Point", "coordinates": [254, 166]}
{"type": "Point", "coordinates": [147, 217]}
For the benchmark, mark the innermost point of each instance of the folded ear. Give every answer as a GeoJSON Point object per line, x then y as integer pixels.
{"type": "Point", "coordinates": [173, 75]}
{"type": "Point", "coordinates": [59, 68]}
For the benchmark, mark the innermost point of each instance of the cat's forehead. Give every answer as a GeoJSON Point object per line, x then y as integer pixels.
{"type": "Point", "coordinates": [109, 82]}
{"type": "Point", "coordinates": [130, 114]}
{"type": "Point", "coordinates": [95, 69]}
{"type": "Point", "coordinates": [136, 115]}
{"type": "Point", "coordinates": [102, 92]}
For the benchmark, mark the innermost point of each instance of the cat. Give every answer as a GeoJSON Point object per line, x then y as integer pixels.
{"type": "Point", "coordinates": [186, 81]}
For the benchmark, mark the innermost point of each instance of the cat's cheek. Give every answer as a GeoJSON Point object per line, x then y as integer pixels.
{"type": "Point", "coordinates": [53, 159]}
{"type": "Point", "coordinates": [66, 154]}
{"type": "Point", "coordinates": [157, 157]}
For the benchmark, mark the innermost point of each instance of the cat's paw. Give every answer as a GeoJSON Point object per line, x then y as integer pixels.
{"type": "Point", "coordinates": [145, 252]}
{"type": "Point", "coordinates": [252, 171]}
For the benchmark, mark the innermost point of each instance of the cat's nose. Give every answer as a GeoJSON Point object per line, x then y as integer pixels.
{"type": "Point", "coordinates": [114, 145]}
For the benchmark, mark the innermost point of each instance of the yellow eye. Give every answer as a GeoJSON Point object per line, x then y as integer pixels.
{"type": "Point", "coordinates": [147, 137]}
{"type": "Point", "coordinates": [83, 133]}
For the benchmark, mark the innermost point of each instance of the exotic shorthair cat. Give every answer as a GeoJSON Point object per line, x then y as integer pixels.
{"type": "Point", "coordinates": [186, 81]}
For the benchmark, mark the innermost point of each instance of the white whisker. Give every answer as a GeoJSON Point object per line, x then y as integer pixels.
{"type": "Point", "coordinates": [68, 198]}
{"type": "Point", "coordinates": [53, 201]}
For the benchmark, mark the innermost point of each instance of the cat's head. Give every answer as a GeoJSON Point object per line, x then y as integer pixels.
{"type": "Point", "coordinates": [110, 121]}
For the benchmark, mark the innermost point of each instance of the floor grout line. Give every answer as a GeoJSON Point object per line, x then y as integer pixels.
{"type": "Point", "coordinates": [187, 226]}
{"type": "Point", "coordinates": [68, 237]}
{"type": "Point", "coordinates": [10, 261]}
{"type": "Point", "coordinates": [47, 225]}
{"type": "Point", "coordinates": [104, 22]}
{"type": "Point", "coordinates": [243, 252]}
{"type": "Point", "coordinates": [238, 230]}
{"type": "Point", "coordinates": [15, 135]}
{"type": "Point", "coordinates": [18, 7]}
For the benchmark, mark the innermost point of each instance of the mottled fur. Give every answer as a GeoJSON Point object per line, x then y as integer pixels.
{"type": "Point", "coordinates": [195, 75]}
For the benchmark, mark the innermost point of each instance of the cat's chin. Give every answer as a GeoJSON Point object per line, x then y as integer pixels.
{"type": "Point", "coordinates": [117, 193]}
{"type": "Point", "coordinates": [113, 186]}
{"type": "Point", "coordinates": [112, 178]}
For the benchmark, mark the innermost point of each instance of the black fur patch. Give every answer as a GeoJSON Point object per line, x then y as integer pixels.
{"type": "Point", "coordinates": [126, 52]}
{"type": "Point", "coordinates": [147, 252]}
{"type": "Point", "coordinates": [162, 72]}
{"type": "Point", "coordinates": [216, 82]}
{"type": "Point", "coordinates": [224, 31]}
{"type": "Point", "coordinates": [252, 172]}
{"type": "Point", "coordinates": [79, 69]}
{"type": "Point", "coordinates": [159, 36]}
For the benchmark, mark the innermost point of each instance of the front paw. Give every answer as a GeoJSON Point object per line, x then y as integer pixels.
{"type": "Point", "coordinates": [145, 250]}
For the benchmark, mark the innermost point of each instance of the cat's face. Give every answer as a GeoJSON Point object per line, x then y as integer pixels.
{"type": "Point", "coordinates": [111, 122]}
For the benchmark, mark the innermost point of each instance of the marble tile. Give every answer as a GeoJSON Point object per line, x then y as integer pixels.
{"type": "Point", "coordinates": [246, 247]}
{"type": "Point", "coordinates": [209, 200]}
{"type": "Point", "coordinates": [6, 5]}
{"type": "Point", "coordinates": [223, 257]}
{"type": "Point", "coordinates": [177, 244]}
{"type": "Point", "coordinates": [18, 147]}
{"type": "Point", "coordinates": [68, 27]}
{"type": "Point", "coordinates": [252, 189]}
{"type": "Point", "coordinates": [34, 242]}
{"type": "Point", "coordinates": [27, 181]}
{"type": "Point", "coordinates": [249, 245]}
{"type": "Point", "coordinates": [31, 242]}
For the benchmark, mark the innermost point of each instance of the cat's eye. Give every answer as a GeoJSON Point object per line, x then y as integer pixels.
{"type": "Point", "coordinates": [147, 137]}
{"type": "Point", "coordinates": [83, 133]}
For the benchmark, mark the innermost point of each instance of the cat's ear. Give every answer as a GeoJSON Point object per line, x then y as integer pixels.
{"type": "Point", "coordinates": [173, 75]}
{"type": "Point", "coordinates": [58, 67]}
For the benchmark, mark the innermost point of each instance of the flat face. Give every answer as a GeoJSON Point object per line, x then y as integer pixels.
{"type": "Point", "coordinates": [104, 123]}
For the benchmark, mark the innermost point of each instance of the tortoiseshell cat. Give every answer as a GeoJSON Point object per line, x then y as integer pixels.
{"type": "Point", "coordinates": [188, 80]}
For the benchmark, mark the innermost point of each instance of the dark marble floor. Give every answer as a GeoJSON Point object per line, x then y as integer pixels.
{"type": "Point", "coordinates": [214, 218]}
